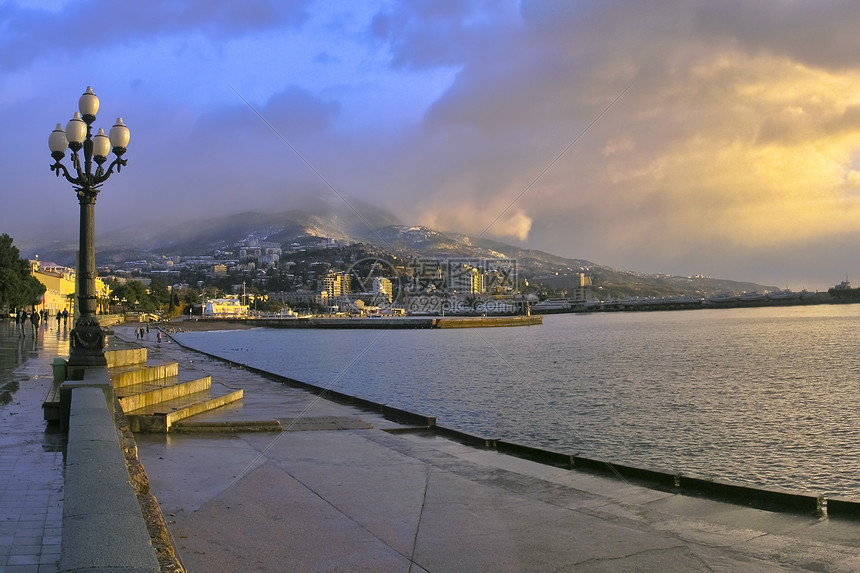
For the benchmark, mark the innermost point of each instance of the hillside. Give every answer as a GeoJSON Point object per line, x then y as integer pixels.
{"type": "Point", "coordinates": [380, 229]}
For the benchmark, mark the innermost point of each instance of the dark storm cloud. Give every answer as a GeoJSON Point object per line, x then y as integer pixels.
{"type": "Point", "coordinates": [816, 33]}
{"type": "Point", "coordinates": [96, 26]}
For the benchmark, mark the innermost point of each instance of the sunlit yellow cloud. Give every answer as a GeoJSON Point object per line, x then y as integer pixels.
{"type": "Point", "coordinates": [767, 156]}
{"type": "Point", "coordinates": [490, 220]}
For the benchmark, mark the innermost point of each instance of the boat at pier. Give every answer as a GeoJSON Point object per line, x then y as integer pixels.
{"type": "Point", "coordinates": [551, 305]}
{"type": "Point", "coordinates": [752, 296]}
{"type": "Point", "coordinates": [783, 295]}
{"type": "Point", "coordinates": [723, 297]}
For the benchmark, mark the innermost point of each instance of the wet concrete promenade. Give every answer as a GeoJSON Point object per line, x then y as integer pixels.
{"type": "Point", "coordinates": [31, 452]}
{"type": "Point", "coordinates": [345, 490]}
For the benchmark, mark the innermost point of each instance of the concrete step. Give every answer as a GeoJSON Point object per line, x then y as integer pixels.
{"type": "Point", "coordinates": [229, 426]}
{"type": "Point", "coordinates": [121, 377]}
{"type": "Point", "coordinates": [160, 417]}
{"type": "Point", "coordinates": [180, 378]}
{"type": "Point", "coordinates": [125, 357]}
{"type": "Point", "coordinates": [124, 391]}
{"type": "Point", "coordinates": [152, 396]}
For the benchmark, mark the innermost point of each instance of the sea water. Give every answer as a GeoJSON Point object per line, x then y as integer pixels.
{"type": "Point", "coordinates": [764, 396]}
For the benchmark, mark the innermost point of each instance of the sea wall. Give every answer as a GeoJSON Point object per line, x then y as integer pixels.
{"type": "Point", "coordinates": [363, 322]}
{"type": "Point", "coordinates": [103, 526]}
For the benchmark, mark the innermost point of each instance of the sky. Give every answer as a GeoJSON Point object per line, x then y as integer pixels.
{"type": "Point", "coordinates": [661, 136]}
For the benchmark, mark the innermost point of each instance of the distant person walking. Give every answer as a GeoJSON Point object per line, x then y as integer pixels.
{"type": "Point", "coordinates": [159, 337]}
{"type": "Point", "coordinates": [21, 320]}
{"type": "Point", "coordinates": [65, 317]}
{"type": "Point", "coordinates": [34, 320]}
{"type": "Point", "coordinates": [59, 319]}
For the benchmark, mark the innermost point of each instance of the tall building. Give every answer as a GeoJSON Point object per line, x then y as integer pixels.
{"type": "Point", "coordinates": [468, 280]}
{"type": "Point", "coordinates": [384, 287]}
{"type": "Point", "coordinates": [582, 292]}
{"type": "Point", "coordinates": [337, 284]}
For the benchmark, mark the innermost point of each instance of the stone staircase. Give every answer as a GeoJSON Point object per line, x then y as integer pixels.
{"type": "Point", "coordinates": [160, 398]}
{"type": "Point", "coordinates": [155, 397]}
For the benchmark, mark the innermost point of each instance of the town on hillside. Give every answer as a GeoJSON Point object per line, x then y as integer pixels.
{"type": "Point", "coordinates": [318, 276]}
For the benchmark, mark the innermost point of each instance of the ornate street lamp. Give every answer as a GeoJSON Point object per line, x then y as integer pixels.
{"type": "Point", "coordinates": [87, 338]}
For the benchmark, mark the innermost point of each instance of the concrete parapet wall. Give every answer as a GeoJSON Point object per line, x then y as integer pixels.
{"type": "Point", "coordinates": [841, 507]}
{"type": "Point", "coordinates": [466, 439]}
{"type": "Point", "coordinates": [93, 378]}
{"type": "Point", "coordinates": [764, 498]}
{"type": "Point", "coordinates": [535, 454]}
{"type": "Point", "coordinates": [144, 375]}
{"type": "Point", "coordinates": [103, 526]}
{"type": "Point", "coordinates": [661, 478]}
{"type": "Point", "coordinates": [403, 417]}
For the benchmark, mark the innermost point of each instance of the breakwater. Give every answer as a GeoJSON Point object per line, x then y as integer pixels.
{"type": "Point", "coordinates": [639, 304]}
{"type": "Point", "coordinates": [402, 322]}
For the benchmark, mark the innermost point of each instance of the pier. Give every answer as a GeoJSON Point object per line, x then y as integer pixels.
{"type": "Point", "coordinates": [647, 304]}
{"type": "Point", "coordinates": [364, 322]}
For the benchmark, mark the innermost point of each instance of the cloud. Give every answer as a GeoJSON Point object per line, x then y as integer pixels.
{"type": "Point", "coordinates": [738, 138]}
{"type": "Point", "coordinates": [89, 26]}
{"type": "Point", "coordinates": [721, 143]}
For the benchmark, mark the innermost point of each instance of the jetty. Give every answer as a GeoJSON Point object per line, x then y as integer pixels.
{"type": "Point", "coordinates": [362, 322]}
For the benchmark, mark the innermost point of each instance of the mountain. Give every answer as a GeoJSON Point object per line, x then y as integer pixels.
{"type": "Point", "coordinates": [199, 236]}
{"type": "Point", "coordinates": [551, 270]}
{"type": "Point", "coordinates": [381, 229]}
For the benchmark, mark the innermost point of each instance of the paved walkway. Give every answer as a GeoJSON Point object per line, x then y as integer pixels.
{"type": "Point", "coordinates": [31, 452]}
{"type": "Point", "coordinates": [340, 492]}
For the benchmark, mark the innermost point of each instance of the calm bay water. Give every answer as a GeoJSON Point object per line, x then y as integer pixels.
{"type": "Point", "coordinates": [767, 396]}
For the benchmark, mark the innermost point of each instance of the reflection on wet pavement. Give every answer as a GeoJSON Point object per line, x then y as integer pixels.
{"type": "Point", "coordinates": [31, 451]}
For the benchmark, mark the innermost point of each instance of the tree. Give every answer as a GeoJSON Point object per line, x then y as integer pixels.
{"type": "Point", "coordinates": [18, 287]}
{"type": "Point", "coordinates": [159, 292]}
{"type": "Point", "coordinates": [133, 297]}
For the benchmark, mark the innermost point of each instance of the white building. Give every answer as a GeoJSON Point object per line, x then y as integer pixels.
{"type": "Point", "coordinates": [225, 307]}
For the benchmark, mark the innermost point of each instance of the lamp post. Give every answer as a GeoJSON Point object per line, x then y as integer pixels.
{"type": "Point", "coordinates": [87, 338]}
